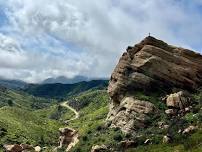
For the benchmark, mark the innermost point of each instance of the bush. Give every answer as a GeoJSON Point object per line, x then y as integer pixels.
{"type": "Point", "coordinates": [98, 128]}
{"type": "Point", "coordinates": [118, 137]}
{"type": "Point", "coordinates": [84, 138]}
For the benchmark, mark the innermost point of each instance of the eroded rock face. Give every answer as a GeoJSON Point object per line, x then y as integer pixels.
{"type": "Point", "coordinates": [150, 65]}
{"type": "Point", "coordinates": [68, 138]}
{"type": "Point", "coordinates": [178, 103]}
{"type": "Point", "coordinates": [130, 114]}
{"type": "Point", "coordinates": [179, 100]}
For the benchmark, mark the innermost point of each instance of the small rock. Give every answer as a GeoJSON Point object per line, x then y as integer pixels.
{"type": "Point", "coordinates": [180, 131]}
{"type": "Point", "coordinates": [171, 112]}
{"type": "Point", "coordinates": [163, 99]}
{"type": "Point", "coordinates": [147, 141]}
{"type": "Point", "coordinates": [27, 147]}
{"type": "Point", "coordinates": [98, 148]}
{"type": "Point", "coordinates": [13, 148]}
{"type": "Point", "coordinates": [162, 125]}
{"type": "Point", "coordinates": [187, 109]}
{"type": "Point", "coordinates": [166, 139]}
{"type": "Point", "coordinates": [37, 148]}
{"type": "Point", "coordinates": [189, 129]}
{"type": "Point", "coordinates": [127, 144]}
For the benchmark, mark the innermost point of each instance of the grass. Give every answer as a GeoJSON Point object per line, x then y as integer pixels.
{"type": "Point", "coordinates": [91, 123]}
{"type": "Point", "coordinates": [55, 112]}
{"type": "Point", "coordinates": [91, 126]}
{"type": "Point", "coordinates": [22, 122]}
{"type": "Point", "coordinates": [22, 126]}
{"type": "Point", "coordinates": [27, 119]}
{"type": "Point", "coordinates": [23, 100]}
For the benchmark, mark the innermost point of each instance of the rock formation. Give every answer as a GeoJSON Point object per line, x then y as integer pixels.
{"type": "Point", "coordinates": [13, 148]}
{"type": "Point", "coordinates": [132, 113]}
{"type": "Point", "coordinates": [189, 129]}
{"type": "Point", "coordinates": [19, 148]}
{"type": "Point", "coordinates": [68, 138]}
{"type": "Point", "coordinates": [178, 103]}
{"type": "Point", "coordinates": [99, 148]}
{"type": "Point", "coordinates": [149, 66]}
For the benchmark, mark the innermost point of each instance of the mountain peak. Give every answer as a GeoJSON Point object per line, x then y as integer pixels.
{"type": "Point", "coordinates": [65, 80]}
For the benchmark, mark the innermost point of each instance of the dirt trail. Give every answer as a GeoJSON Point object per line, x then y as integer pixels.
{"type": "Point", "coordinates": [64, 104]}
{"type": "Point", "coordinates": [75, 139]}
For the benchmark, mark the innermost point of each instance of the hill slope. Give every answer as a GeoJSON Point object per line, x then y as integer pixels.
{"type": "Point", "coordinates": [22, 126]}
{"type": "Point", "coordinates": [21, 121]}
{"type": "Point", "coordinates": [65, 80]}
{"type": "Point", "coordinates": [64, 90]}
{"type": "Point", "coordinates": [93, 129]}
{"type": "Point", "coordinates": [13, 84]}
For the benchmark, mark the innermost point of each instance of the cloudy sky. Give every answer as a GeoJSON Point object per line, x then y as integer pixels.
{"type": "Point", "coordinates": [49, 38]}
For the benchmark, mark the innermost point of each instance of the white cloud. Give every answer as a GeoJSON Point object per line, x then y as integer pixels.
{"type": "Point", "coordinates": [87, 37]}
{"type": "Point", "coordinates": [16, 63]}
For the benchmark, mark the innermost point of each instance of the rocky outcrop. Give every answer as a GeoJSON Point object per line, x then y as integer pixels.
{"type": "Point", "coordinates": [13, 148]}
{"type": "Point", "coordinates": [190, 129]}
{"type": "Point", "coordinates": [99, 148]}
{"type": "Point", "coordinates": [179, 100]}
{"type": "Point", "coordinates": [131, 114]}
{"type": "Point", "coordinates": [21, 148]}
{"type": "Point", "coordinates": [128, 144]}
{"type": "Point", "coordinates": [27, 147]}
{"type": "Point", "coordinates": [68, 138]}
{"type": "Point", "coordinates": [149, 66]}
{"type": "Point", "coordinates": [178, 103]}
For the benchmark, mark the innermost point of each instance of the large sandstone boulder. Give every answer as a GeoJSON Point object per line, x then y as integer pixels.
{"type": "Point", "coordinates": [178, 103]}
{"type": "Point", "coordinates": [179, 100]}
{"type": "Point", "coordinates": [150, 65]}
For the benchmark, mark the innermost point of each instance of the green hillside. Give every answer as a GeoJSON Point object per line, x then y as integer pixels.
{"type": "Point", "coordinates": [93, 108]}
{"type": "Point", "coordinates": [22, 100]}
{"type": "Point", "coordinates": [93, 111]}
{"type": "Point", "coordinates": [61, 91]}
{"type": "Point", "coordinates": [21, 126]}
{"type": "Point", "coordinates": [21, 123]}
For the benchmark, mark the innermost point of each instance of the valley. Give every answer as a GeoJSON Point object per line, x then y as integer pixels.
{"type": "Point", "coordinates": [152, 103]}
{"type": "Point", "coordinates": [65, 104]}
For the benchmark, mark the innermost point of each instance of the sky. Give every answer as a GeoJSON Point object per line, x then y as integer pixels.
{"type": "Point", "coordinates": [49, 38]}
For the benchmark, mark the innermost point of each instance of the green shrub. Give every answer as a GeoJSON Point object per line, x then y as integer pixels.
{"type": "Point", "coordinates": [118, 137]}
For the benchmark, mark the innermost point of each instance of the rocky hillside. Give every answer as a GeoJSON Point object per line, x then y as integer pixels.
{"type": "Point", "coordinates": [152, 65]}
{"type": "Point", "coordinates": [154, 93]}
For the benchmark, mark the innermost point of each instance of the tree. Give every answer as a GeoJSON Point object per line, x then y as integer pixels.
{"type": "Point", "coordinates": [10, 102]}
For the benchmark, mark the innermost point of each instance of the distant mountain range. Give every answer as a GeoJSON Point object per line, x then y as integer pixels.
{"type": "Point", "coordinates": [65, 80]}
{"type": "Point", "coordinates": [13, 84]}
{"type": "Point", "coordinates": [18, 84]}
{"type": "Point", "coordinates": [58, 90]}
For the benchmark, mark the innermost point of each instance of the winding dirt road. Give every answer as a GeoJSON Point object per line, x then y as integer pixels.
{"type": "Point", "coordinates": [64, 104]}
{"type": "Point", "coordinates": [75, 138]}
